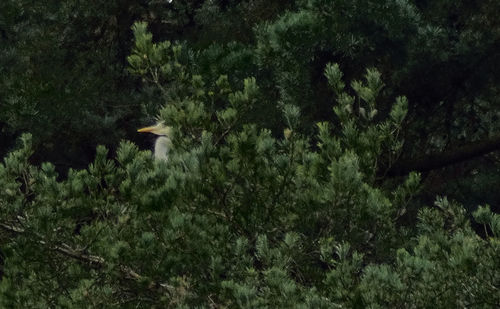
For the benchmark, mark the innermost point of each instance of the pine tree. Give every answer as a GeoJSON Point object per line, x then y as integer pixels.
{"type": "Point", "coordinates": [238, 216]}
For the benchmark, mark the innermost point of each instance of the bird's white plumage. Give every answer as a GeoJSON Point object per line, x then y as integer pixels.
{"type": "Point", "coordinates": [162, 147]}
{"type": "Point", "coordinates": [163, 142]}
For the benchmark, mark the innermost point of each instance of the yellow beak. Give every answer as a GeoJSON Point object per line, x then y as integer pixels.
{"type": "Point", "coordinates": [151, 129]}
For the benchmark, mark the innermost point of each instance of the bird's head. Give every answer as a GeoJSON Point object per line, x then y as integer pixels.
{"type": "Point", "coordinates": [159, 129]}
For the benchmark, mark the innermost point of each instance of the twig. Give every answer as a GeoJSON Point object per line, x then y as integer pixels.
{"type": "Point", "coordinates": [93, 260]}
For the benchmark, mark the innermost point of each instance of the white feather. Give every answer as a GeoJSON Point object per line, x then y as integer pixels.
{"type": "Point", "coordinates": [162, 147]}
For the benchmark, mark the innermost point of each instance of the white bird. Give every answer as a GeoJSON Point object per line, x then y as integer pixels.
{"type": "Point", "coordinates": [163, 142]}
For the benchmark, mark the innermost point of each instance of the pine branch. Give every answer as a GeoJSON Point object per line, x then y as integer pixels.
{"type": "Point", "coordinates": [443, 159]}
{"type": "Point", "coordinates": [94, 261]}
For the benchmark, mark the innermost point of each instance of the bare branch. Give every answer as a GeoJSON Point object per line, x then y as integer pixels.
{"type": "Point", "coordinates": [93, 260]}
{"type": "Point", "coordinates": [449, 157]}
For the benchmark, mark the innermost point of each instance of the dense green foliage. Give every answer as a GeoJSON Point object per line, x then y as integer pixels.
{"type": "Point", "coordinates": [303, 169]}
